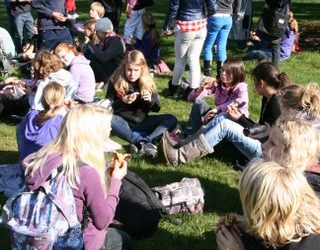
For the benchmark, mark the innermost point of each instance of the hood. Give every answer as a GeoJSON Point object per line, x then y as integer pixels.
{"type": "Point", "coordinates": [40, 134]}
{"type": "Point", "coordinates": [80, 59]}
{"type": "Point", "coordinates": [62, 77]}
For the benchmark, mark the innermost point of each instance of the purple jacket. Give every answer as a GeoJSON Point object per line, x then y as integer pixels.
{"type": "Point", "coordinates": [223, 97]}
{"type": "Point", "coordinates": [32, 136]}
{"type": "Point", "coordinates": [83, 77]}
{"type": "Point", "coordinates": [89, 193]}
{"type": "Point", "coordinates": [287, 44]}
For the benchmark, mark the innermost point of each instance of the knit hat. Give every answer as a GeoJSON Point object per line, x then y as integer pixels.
{"type": "Point", "coordinates": [104, 25]}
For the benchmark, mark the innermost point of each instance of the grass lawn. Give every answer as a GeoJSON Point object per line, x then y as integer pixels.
{"type": "Point", "coordinates": [215, 172]}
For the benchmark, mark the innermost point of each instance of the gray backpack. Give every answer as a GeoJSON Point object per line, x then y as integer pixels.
{"type": "Point", "coordinates": [186, 196]}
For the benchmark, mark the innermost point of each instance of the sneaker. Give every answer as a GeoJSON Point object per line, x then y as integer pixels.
{"type": "Point", "coordinates": [149, 149]}
{"type": "Point", "coordinates": [133, 149]}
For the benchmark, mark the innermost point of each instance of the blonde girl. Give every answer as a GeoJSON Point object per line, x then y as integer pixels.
{"type": "Point", "coordinates": [78, 153]}
{"type": "Point", "coordinates": [49, 68]}
{"type": "Point", "coordinates": [39, 128]}
{"type": "Point", "coordinates": [280, 209]}
{"type": "Point", "coordinates": [81, 72]}
{"type": "Point", "coordinates": [133, 95]}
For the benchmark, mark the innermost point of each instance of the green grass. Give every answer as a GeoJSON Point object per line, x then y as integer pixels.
{"type": "Point", "coordinates": [215, 172]}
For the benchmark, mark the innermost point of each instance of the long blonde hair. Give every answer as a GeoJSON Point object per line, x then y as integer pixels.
{"type": "Point", "coordinates": [279, 205]}
{"type": "Point", "coordinates": [83, 132]}
{"type": "Point", "coordinates": [146, 81]}
{"type": "Point", "coordinates": [300, 140]}
{"type": "Point", "coordinates": [52, 101]}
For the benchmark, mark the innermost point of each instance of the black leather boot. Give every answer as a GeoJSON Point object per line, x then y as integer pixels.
{"type": "Point", "coordinates": [207, 68]}
{"type": "Point", "coordinates": [219, 66]}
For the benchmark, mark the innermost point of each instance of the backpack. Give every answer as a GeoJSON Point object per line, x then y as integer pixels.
{"type": "Point", "coordinates": [186, 196]}
{"type": "Point", "coordinates": [139, 210]}
{"type": "Point", "coordinates": [45, 218]}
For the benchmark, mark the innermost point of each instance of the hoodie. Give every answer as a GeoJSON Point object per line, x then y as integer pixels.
{"type": "Point", "coordinates": [32, 136]}
{"type": "Point", "coordinates": [89, 193]}
{"type": "Point", "coordinates": [83, 77]}
{"type": "Point", "coordinates": [62, 77]}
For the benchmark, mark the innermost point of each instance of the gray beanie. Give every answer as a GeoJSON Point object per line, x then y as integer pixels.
{"type": "Point", "coordinates": [104, 25]}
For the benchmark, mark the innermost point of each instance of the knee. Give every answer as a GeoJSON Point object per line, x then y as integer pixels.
{"type": "Point", "coordinates": [171, 121]}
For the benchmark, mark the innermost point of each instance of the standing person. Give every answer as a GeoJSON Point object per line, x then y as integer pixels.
{"type": "Point", "coordinates": [78, 153]}
{"type": "Point", "coordinates": [280, 211]}
{"type": "Point", "coordinates": [133, 95]}
{"type": "Point", "coordinates": [268, 80]}
{"type": "Point", "coordinates": [23, 22]}
{"type": "Point", "coordinates": [81, 72]}
{"type": "Point", "coordinates": [190, 32]}
{"type": "Point", "coordinates": [108, 54]}
{"type": "Point", "coordinates": [133, 29]}
{"type": "Point", "coordinates": [113, 10]}
{"type": "Point", "coordinates": [219, 26]}
{"type": "Point", "coordinates": [272, 25]}
{"type": "Point", "coordinates": [52, 25]}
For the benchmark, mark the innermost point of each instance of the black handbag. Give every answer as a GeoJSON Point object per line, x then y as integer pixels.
{"type": "Point", "coordinates": [274, 21]}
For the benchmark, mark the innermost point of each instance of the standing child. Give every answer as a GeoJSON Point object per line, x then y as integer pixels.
{"type": "Point", "coordinates": [228, 90]}
{"type": "Point", "coordinates": [133, 95]}
{"type": "Point", "coordinates": [78, 154]}
{"type": "Point", "coordinates": [150, 43]}
{"type": "Point", "coordinates": [81, 72]}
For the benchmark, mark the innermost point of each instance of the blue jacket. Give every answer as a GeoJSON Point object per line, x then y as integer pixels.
{"type": "Point", "coordinates": [44, 9]}
{"type": "Point", "coordinates": [188, 10]}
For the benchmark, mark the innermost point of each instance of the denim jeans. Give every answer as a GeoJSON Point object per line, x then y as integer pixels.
{"type": "Point", "coordinates": [221, 128]}
{"type": "Point", "coordinates": [218, 31]}
{"type": "Point", "coordinates": [153, 126]}
{"type": "Point", "coordinates": [199, 107]}
{"type": "Point", "coordinates": [133, 26]}
{"type": "Point", "coordinates": [22, 20]}
{"type": "Point", "coordinates": [51, 38]}
{"type": "Point", "coordinates": [117, 240]}
{"type": "Point", "coordinates": [187, 49]}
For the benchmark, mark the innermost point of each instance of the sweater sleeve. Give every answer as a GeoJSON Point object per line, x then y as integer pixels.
{"type": "Point", "coordinates": [113, 49]}
{"type": "Point", "coordinates": [171, 13]}
{"type": "Point", "coordinates": [198, 94]}
{"type": "Point", "coordinates": [101, 208]}
{"type": "Point", "coordinates": [40, 7]}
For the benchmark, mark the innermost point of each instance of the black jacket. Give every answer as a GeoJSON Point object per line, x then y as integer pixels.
{"type": "Point", "coordinates": [135, 112]}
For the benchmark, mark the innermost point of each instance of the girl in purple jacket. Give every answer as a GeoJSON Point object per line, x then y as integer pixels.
{"type": "Point", "coordinates": [228, 90]}
{"type": "Point", "coordinates": [78, 153]}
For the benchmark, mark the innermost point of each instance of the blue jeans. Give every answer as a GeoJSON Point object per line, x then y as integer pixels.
{"type": "Point", "coordinates": [199, 107]}
{"type": "Point", "coordinates": [117, 240]}
{"type": "Point", "coordinates": [49, 39]}
{"type": "Point", "coordinates": [218, 30]}
{"type": "Point", "coordinates": [153, 126]}
{"type": "Point", "coordinates": [21, 21]}
{"type": "Point", "coordinates": [221, 128]}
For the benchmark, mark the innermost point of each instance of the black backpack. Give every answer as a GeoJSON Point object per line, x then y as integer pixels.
{"type": "Point", "coordinates": [139, 210]}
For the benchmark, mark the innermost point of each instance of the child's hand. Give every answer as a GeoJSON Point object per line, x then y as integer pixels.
{"type": "Point", "coordinates": [119, 171]}
{"type": "Point", "coordinates": [146, 95]}
{"type": "Point", "coordinates": [58, 16]}
{"type": "Point", "coordinates": [234, 113]}
{"type": "Point", "coordinates": [208, 83]}
{"type": "Point", "coordinates": [209, 116]}
{"type": "Point", "coordinates": [128, 10]}
{"type": "Point", "coordinates": [228, 239]}
{"type": "Point", "coordinates": [128, 99]}
{"type": "Point", "coordinates": [166, 33]}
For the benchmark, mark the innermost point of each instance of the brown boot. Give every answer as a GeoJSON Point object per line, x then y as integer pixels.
{"type": "Point", "coordinates": [196, 148]}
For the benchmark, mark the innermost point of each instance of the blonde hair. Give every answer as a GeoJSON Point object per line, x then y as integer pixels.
{"type": "Point", "coordinates": [66, 47]}
{"type": "Point", "coordinates": [300, 140]}
{"type": "Point", "coordinates": [305, 98]}
{"type": "Point", "coordinates": [98, 7]}
{"type": "Point", "coordinates": [293, 23]}
{"type": "Point", "coordinates": [52, 101]}
{"type": "Point", "coordinates": [279, 205]}
{"type": "Point", "coordinates": [146, 81]}
{"type": "Point", "coordinates": [45, 63]}
{"type": "Point", "coordinates": [80, 141]}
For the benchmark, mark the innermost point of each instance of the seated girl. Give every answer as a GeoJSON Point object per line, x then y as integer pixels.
{"type": "Point", "coordinates": [49, 68]}
{"type": "Point", "coordinates": [150, 43]}
{"type": "Point", "coordinates": [81, 72]}
{"type": "Point", "coordinates": [39, 128]}
{"type": "Point", "coordinates": [228, 90]}
{"type": "Point", "coordinates": [133, 95]}
{"type": "Point", "coordinates": [78, 154]}
{"type": "Point", "coordinates": [230, 125]}
{"type": "Point", "coordinates": [280, 211]}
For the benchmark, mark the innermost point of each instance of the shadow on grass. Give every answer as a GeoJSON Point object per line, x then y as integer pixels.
{"type": "Point", "coordinates": [7, 156]}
